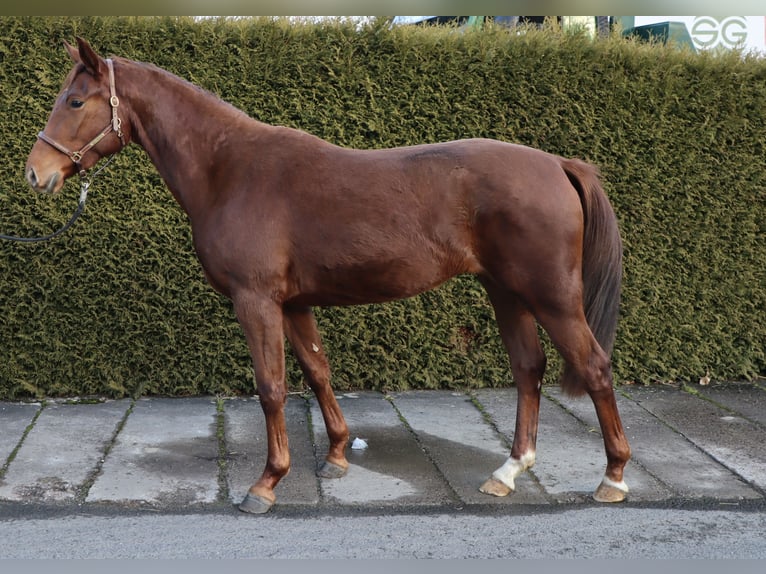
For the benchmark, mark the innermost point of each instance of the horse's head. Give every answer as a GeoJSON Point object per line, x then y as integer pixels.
{"type": "Point", "coordinates": [84, 125]}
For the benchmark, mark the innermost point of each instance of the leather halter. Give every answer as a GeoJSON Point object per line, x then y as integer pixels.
{"type": "Point", "coordinates": [114, 126]}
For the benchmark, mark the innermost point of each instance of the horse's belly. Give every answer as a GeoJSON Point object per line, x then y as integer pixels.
{"type": "Point", "coordinates": [375, 282]}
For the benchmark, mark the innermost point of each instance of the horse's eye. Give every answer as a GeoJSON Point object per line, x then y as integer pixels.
{"type": "Point", "coordinates": [76, 104]}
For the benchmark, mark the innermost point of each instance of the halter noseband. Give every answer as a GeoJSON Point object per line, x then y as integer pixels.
{"type": "Point", "coordinates": [114, 126]}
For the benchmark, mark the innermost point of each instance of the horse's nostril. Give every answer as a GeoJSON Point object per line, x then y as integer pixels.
{"type": "Point", "coordinates": [32, 177]}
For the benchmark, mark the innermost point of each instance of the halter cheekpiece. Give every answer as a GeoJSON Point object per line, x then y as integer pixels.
{"type": "Point", "coordinates": [114, 126]}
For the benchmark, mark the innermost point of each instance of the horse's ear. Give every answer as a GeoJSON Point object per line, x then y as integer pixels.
{"type": "Point", "coordinates": [94, 64]}
{"type": "Point", "coordinates": [73, 53]}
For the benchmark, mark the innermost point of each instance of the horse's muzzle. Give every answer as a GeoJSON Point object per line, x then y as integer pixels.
{"type": "Point", "coordinates": [37, 185]}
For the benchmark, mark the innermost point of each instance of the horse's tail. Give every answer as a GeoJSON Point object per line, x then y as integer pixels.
{"type": "Point", "coordinates": [601, 262]}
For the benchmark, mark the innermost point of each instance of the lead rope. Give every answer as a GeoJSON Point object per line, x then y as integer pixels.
{"type": "Point", "coordinates": [84, 187]}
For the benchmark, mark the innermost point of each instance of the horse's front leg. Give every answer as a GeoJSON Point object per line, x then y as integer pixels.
{"type": "Point", "coordinates": [261, 320]}
{"type": "Point", "coordinates": [303, 334]}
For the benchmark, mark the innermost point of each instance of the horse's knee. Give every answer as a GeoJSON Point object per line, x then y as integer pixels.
{"type": "Point", "coordinates": [530, 366]}
{"type": "Point", "coordinates": [272, 396]}
{"type": "Point", "coordinates": [318, 376]}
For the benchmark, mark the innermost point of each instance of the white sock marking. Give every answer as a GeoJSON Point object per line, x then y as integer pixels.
{"type": "Point", "coordinates": [618, 485]}
{"type": "Point", "coordinates": [514, 467]}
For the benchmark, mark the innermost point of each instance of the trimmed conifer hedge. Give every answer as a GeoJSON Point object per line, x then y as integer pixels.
{"type": "Point", "coordinates": [119, 307]}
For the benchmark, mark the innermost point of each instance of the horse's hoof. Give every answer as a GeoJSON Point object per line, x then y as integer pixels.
{"type": "Point", "coordinates": [610, 491]}
{"type": "Point", "coordinates": [495, 488]}
{"type": "Point", "coordinates": [331, 470]}
{"type": "Point", "coordinates": [255, 504]}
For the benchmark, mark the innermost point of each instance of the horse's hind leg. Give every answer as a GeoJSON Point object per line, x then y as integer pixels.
{"type": "Point", "coordinates": [518, 332]}
{"type": "Point", "coordinates": [302, 332]}
{"type": "Point", "coordinates": [588, 369]}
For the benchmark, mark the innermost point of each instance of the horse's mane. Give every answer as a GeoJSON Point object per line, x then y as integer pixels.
{"type": "Point", "coordinates": [192, 91]}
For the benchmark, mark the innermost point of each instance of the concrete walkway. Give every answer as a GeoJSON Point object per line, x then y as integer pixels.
{"type": "Point", "coordinates": [423, 449]}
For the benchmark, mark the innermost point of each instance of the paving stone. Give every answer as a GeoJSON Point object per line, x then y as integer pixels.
{"type": "Point", "coordinates": [745, 399]}
{"type": "Point", "coordinates": [14, 420]}
{"type": "Point", "coordinates": [733, 441]}
{"type": "Point", "coordinates": [166, 454]}
{"type": "Point", "coordinates": [62, 450]}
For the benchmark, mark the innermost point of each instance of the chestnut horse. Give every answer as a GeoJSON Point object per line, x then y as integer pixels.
{"type": "Point", "coordinates": [283, 221]}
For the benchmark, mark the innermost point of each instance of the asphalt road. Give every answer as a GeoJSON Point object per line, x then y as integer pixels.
{"type": "Point", "coordinates": [613, 532]}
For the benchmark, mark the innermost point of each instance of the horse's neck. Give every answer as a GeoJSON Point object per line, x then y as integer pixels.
{"type": "Point", "coordinates": [177, 124]}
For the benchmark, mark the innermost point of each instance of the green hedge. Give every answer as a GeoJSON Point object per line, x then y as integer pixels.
{"type": "Point", "coordinates": [118, 306]}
